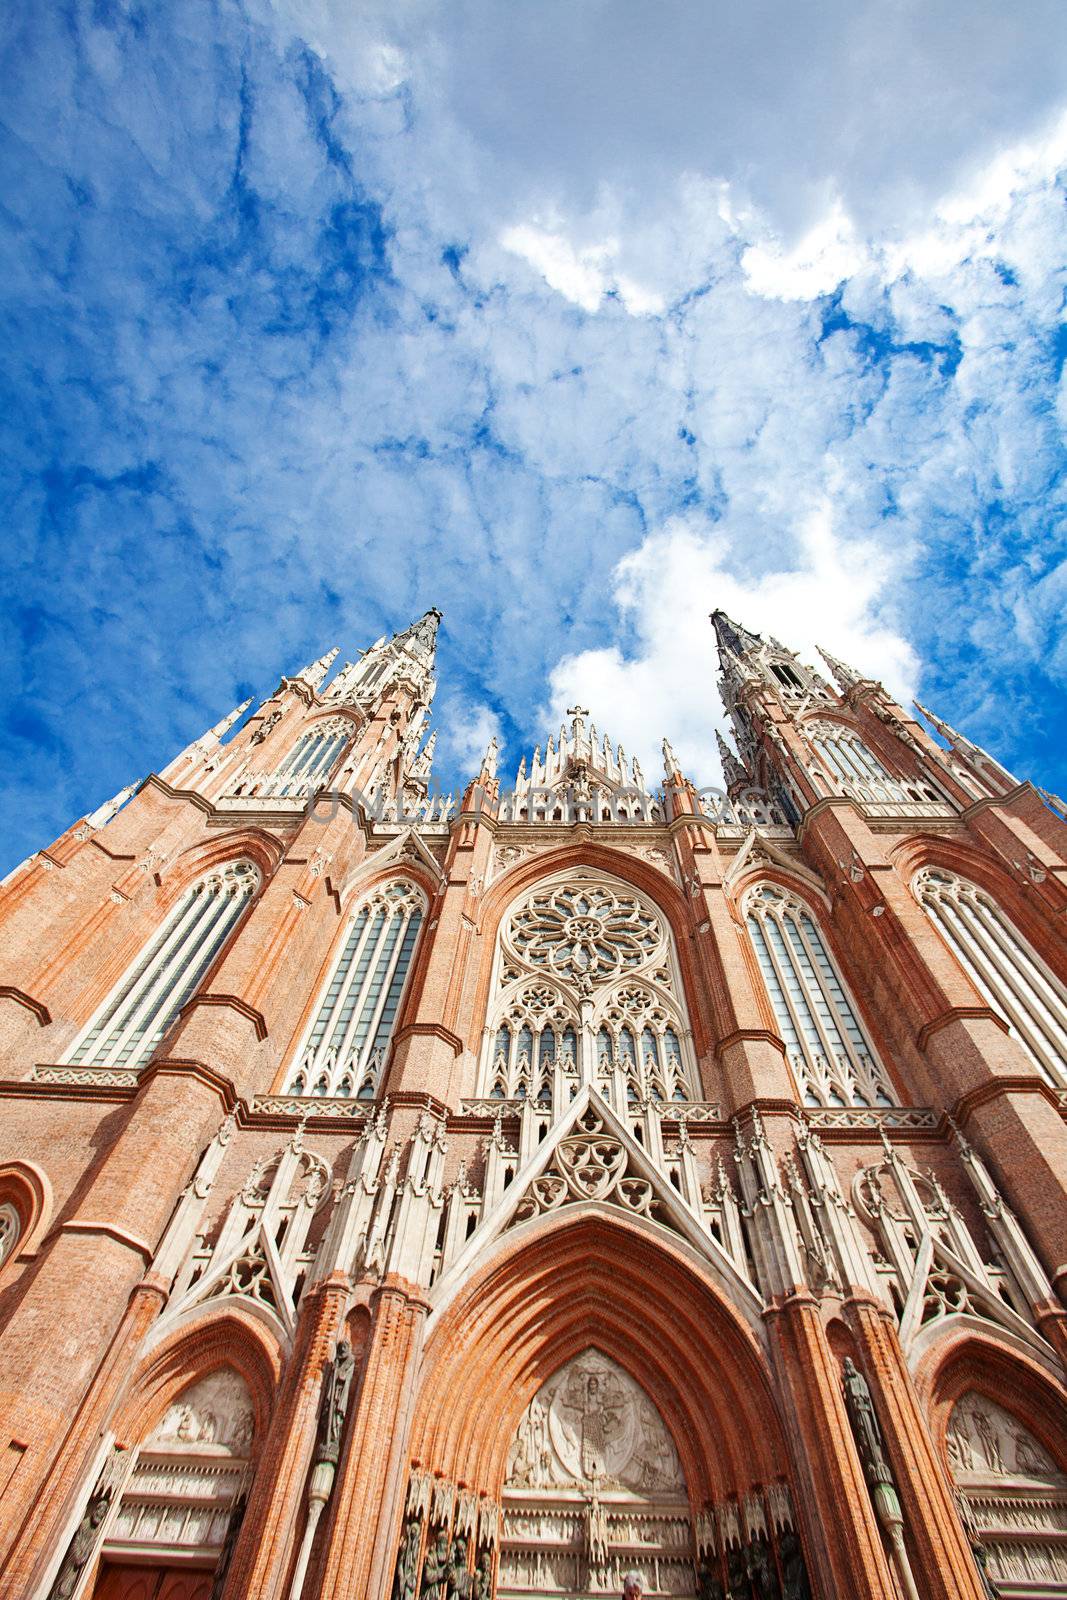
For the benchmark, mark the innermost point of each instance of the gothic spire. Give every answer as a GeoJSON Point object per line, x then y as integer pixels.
{"type": "Point", "coordinates": [733, 640]}
{"type": "Point", "coordinates": [314, 675]}
{"type": "Point", "coordinates": [845, 676]}
{"type": "Point", "coordinates": [732, 770]}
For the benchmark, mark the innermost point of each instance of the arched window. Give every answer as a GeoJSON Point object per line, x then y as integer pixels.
{"type": "Point", "coordinates": [10, 1231]}
{"type": "Point", "coordinates": [344, 1051]}
{"type": "Point", "coordinates": [845, 755]}
{"type": "Point", "coordinates": [831, 1057]}
{"type": "Point", "coordinates": [312, 759]}
{"type": "Point", "coordinates": [146, 1002]}
{"type": "Point", "coordinates": [1004, 968]}
{"type": "Point", "coordinates": [586, 938]}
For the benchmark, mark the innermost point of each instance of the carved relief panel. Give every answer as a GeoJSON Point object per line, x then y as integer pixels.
{"type": "Point", "coordinates": [1014, 1497]}
{"type": "Point", "coordinates": [594, 1488]}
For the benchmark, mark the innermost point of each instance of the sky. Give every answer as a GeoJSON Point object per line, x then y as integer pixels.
{"type": "Point", "coordinates": [576, 320]}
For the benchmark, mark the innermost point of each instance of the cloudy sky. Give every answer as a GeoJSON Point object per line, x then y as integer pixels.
{"type": "Point", "coordinates": [575, 318]}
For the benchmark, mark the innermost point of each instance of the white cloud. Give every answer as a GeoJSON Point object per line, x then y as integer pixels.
{"type": "Point", "coordinates": [465, 729]}
{"type": "Point", "coordinates": [665, 591]}
{"type": "Point", "coordinates": [828, 252]}
{"type": "Point", "coordinates": [583, 276]}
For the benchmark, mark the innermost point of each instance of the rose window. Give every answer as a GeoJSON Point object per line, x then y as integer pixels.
{"type": "Point", "coordinates": [584, 934]}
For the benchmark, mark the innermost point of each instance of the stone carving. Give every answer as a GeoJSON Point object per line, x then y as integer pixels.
{"type": "Point", "coordinates": [335, 1396]}
{"type": "Point", "coordinates": [83, 1545]}
{"type": "Point", "coordinates": [984, 1440]}
{"type": "Point", "coordinates": [592, 1424]}
{"type": "Point", "coordinates": [407, 1561]}
{"type": "Point", "coordinates": [586, 931]}
{"type": "Point", "coordinates": [865, 1428]}
{"type": "Point", "coordinates": [266, 726]}
{"type": "Point", "coordinates": [590, 1164]}
{"type": "Point", "coordinates": [217, 1411]}
{"type": "Point", "coordinates": [435, 1568]}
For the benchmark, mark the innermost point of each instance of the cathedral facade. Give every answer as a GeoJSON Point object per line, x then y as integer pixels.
{"type": "Point", "coordinates": [565, 1185]}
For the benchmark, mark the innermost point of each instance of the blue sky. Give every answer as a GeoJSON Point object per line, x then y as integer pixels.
{"type": "Point", "coordinates": [575, 321]}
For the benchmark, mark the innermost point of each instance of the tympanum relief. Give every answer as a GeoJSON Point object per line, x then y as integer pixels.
{"type": "Point", "coordinates": [594, 1488]}
{"type": "Point", "coordinates": [1013, 1495]}
{"type": "Point", "coordinates": [180, 1496]}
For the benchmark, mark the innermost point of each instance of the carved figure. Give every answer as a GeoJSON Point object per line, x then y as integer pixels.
{"type": "Point", "coordinates": [82, 1546]}
{"type": "Point", "coordinates": [596, 1529]}
{"type": "Point", "coordinates": [335, 1396]}
{"type": "Point", "coordinates": [482, 1584]}
{"type": "Point", "coordinates": [265, 727]}
{"type": "Point", "coordinates": [795, 1582]}
{"type": "Point", "coordinates": [737, 1574]}
{"type": "Point", "coordinates": [864, 1423]}
{"type": "Point", "coordinates": [709, 1582]}
{"type": "Point", "coordinates": [435, 1568]}
{"type": "Point", "coordinates": [459, 1578]}
{"type": "Point", "coordinates": [761, 1571]}
{"type": "Point", "coordinates": [407, 1561]}
{"type": "Point", "coordinates": [987, 1438]}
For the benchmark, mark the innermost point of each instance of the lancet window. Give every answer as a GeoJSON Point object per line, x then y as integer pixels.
{"type": "Point", "coordinates": [346, 1044]}
{"type": "Point", "coordinates": [1004, 968]}
{"type": "Point", "coordinates": [832, 1059]}
{"type": "Point", "coordinates": [150, 996]}
{"type": "Point", "coordinates": [845, 754]}
{"type": "Point", "coordinates": [586, 989]}
{"type": "Point", "coordinates": [313, 758]}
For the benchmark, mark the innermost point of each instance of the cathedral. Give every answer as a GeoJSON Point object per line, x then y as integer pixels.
{"type": "Point", "coordinates": [583, 1183]}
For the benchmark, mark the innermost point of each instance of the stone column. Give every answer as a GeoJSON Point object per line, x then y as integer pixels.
{"type": "Point", "coordinates": [271, 1526]}
{"type": "Point", "coordinates": [368, 1496]}
{"type": "Point", "coordinates": [844, 1542]}
{"type": "Point", "coordinates": [940, 1553]}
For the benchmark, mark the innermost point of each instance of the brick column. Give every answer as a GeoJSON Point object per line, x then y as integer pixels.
{"type": "Point", "coordinates": [941, 1555]}
{"type": "Point", "coordinates": [368, 1497]}
{"type": "Point", "coordinates": [31, 1538]}
{"type": "Point", "coordinates": [268, 1538]}
{"type": "Point", "coordinates": [106, 1242]}
{"type": "Point", "coordinates": [844, 1543]}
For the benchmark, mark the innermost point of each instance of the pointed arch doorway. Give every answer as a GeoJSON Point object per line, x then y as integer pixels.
{"type": "Point", "coordinates": [593, 1489]}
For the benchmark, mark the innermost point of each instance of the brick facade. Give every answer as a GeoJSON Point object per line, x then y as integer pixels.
{"type": "Point", "coordinates": [199, 1241]}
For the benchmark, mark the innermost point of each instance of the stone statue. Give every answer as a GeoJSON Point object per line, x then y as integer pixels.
{"type": "Point", "coordinates": [864, 1423]}
{"type": "Point", "coordinates": [709, 1581]}
{"type": "Point", "coordinates": [596, 1529]}
{"type": "Point", "coordinates": [737, 1574]}
{"type": "Point", "coordinates": [482, 1586]}
{"type": "Point", "coordinates": [265, 727]}
{"type": "Point", "coordinates": [459, 1578]}
{"type": "Point", "coordinates": [335, 1395]}
{"type": "Point", "coordinates": [407, 1561]}
{"type": "Point", "coordinates": [761, 1571]}
{"type": "Point", "coordinates": [795, 1582]}
{"type": "Point", "coordinates": [82, 1546]}
{"type": "Point", "coordinates": [435, 1568]}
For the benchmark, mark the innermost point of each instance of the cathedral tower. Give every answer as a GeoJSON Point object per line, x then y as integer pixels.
{"type": "Point", "coordinates": [415, 1197]}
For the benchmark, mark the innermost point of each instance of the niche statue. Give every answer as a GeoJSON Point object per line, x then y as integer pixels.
{"type": "Point", "coordinates": [407, 1561]}
{"type": "Point", "coordinates": [795, 1582]}
{"type": "Point", "coordinates": [435, 1568]}
{"type": "Point", "coordinates": [82, 1547]}
{"type": "Point", "coordinates": [335, 1396]}
{"type": "Point", "coordinates": [709, 1581]}
{"type": "Point", "coordinates": [865, 1429]}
